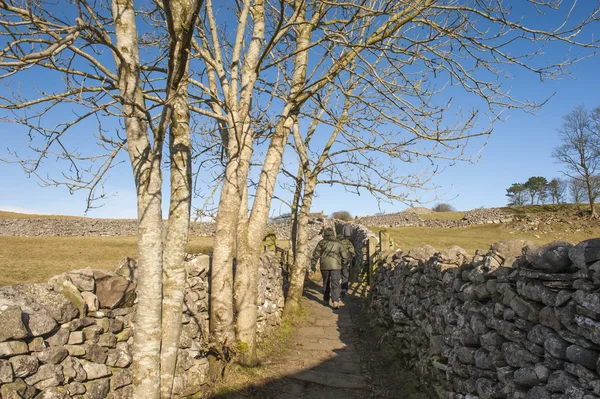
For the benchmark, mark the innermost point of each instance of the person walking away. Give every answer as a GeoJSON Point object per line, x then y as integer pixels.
{"type": "Point", "coordinates": [350, 252]}
{"type": "Point", "coordinates": [331, 255]}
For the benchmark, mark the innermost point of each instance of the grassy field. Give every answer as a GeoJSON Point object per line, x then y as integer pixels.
{"type": "Point", "coordinates": [15, 215]}
{"type": "Point", "coordinates": [477, 237]}
{"type": "Point", "coordinates": [36, 259]}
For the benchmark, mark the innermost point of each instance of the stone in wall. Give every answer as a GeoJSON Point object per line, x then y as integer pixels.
{"type": "Point", "coordinates": [516, 322]}
{"type": "Point", "coordinates": [61, 343]}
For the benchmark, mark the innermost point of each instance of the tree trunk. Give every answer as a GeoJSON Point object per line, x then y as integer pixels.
{"type": "Point", "coordinates": [299, 267]}
{"type": "Point", "coordinates": [246, 274]}
{"type": "Point", "coordinates": [294, 213]}
{"type": "Point", "coordinates": [146, 163]}
{"type": "Point", "coordinates": [590, 190]}
{"type": "Point", "coordinates": [221, 294]}
{"type": "Point", "coordinates": [177, 238]}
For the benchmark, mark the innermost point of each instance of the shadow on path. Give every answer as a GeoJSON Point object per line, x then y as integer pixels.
{"type": "Point", "coordinates": [334, 357]}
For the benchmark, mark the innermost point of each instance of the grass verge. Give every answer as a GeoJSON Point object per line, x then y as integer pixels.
{"type": "Point", "coordinates": [270, 350]}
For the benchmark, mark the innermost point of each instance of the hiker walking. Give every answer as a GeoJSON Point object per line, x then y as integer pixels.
{"type": "Point", "coordinates": [331, 255]}
{"type": "Point", "coordinates": [349, 249]}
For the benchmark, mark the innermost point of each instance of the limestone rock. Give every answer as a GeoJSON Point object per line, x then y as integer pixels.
{"type": "Point", "coordinates": [589, 301]}
{"type": "Point", "coordinates": [97, 389]}
{"type": "Point", "coordinates": [73, 370]}
{"type": "Point", "coordinates": [6, 372]}
{"type": "Point", "coordinates": [75, 338]}
{"type": "Point", "coordinates": [585, 357]}
{"type": "Point", "coordinates": [91, 300]}
{"type": "Point", "coordinates": [120, 378]}
{"type": "Point", "coordinates": [517, 356]}
{"type": "Point", "coordinates": [48, 375]}
{"type": "Point", "coordinates": [52, 355]}
{"type": "Point", "coordinates": [560, 380]}
{"type": "Point", "coordinates": [53, 393]}
{"type": "Point", "coordinates": [552, 257]}
{"type": "Point", "coordinates": [95, 353]}
{"type": "Point", "coordinates": [128, 270]}
{"type": "Point", "coordinates": [422, 253]}
{"type": "Point", "coordinates": [509, 250]}
{"type": "Point", "coordinates": [118, 358]}
{"type": "Point", "coordinates": [12, 348]}
{"type": "Point", "coordinates": [59, 338]}
{"type": "Point", "coordinates": [95, 370]}
{"type": "Point", "coordinates": [538, 393]}
{"type": "Point", "coordinates": [17, 390]}
{"type": "Point", "coordinates": [83, 279]}
{"type": "Point", "coordinates": [528, 310]}
{"type": "Point", "coordinates": [24, 365]}
{"type": "Point", "coordinates": [76, 388]}
{"type": "Point", "coordinates": [111, 289]}
{"type": "Point", "coordinates": [68, 289]}
{"type": "Point", "coordinates": [585, 252]}
{"type": "Point", "coordinates": [11, 320]}
{"type": "Point", "coordinates": [526, 376]}
{"type": "Point", "coordinates": [75, 350]}
{"type": "Point", "coordinates": [57, 305]}
{"type": "Point", "coordinates": [36, 318]}
{"type": "Point", "coordinates": [557, 347]}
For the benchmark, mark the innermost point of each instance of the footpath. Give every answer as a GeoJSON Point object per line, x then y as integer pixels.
{"type": "Point", "coordinates": [334, 355]}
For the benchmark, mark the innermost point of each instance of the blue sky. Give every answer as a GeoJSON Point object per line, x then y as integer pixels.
{"type": "Point", "coordinates": [517, 149]}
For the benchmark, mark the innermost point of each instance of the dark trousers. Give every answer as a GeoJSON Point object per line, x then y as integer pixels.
{"type": "Point", "coordinates": [331, 284]}
{"type": "Point", "coordinates": [345, 276]}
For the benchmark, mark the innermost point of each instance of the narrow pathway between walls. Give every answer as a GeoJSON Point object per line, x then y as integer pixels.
{"type": "Point", "coordinates": [334, 355]}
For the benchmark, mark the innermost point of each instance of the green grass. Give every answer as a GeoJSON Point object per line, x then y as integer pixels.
{"type": "Point", "coordinates": [478, 237]}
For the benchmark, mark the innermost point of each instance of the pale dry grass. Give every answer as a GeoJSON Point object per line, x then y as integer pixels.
{"type": "Point", "coordinates": [36, 259]}
{"type": "Point", "coordinates": [16, 215]}
{"type": "Point", "coordinates": [478, 237]}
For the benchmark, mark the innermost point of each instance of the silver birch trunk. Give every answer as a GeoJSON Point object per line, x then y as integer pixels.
{"type": "Point", "coordinates": [221, 308]}
{"type": "Point", "coordinates": [246, 275]}
{"type": "Point", "coordinates": [145, 160]}
{"type": "Point", "coordinates": [299, 267]}
{"type": "Point", "coordinates": [176, 238]}
{"type": "Point", "coordinates": [181, 17]}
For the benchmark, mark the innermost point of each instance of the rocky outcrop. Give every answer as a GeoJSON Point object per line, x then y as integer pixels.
{"type": "Point", "coordinates": [72, 337]}
{"type": "Point", "coordinates": [518, 322]}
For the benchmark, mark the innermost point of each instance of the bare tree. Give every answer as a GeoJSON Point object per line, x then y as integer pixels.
{"type": "Point", "coordinates": [579, 151]}
{"type": "Point", "coordinates": [147, 99]}
{"type": "Point", "coordinates": [556, 189]}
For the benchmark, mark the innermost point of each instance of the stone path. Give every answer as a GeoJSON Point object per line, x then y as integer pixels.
{"type": "Point", "coordinates": [324, 362]}
{"type": "Point", "coordinates": [334, 356]}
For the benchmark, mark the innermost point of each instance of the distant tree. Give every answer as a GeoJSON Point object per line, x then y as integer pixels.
{"type": "Point", "coordinates": [442, 207]}
{"type": "Point", "coordinates": [576, 191]}
{"type": "Point", "coordinates": [516, 194]}
{"type": "Point", "coordinates": [580, 149]}
{"type": "Point", "coordinates": [536, 187]}
{"type": "Point", "coordinates": [556, 189]}
{"type": "Point", "coordinates": [342, 215]}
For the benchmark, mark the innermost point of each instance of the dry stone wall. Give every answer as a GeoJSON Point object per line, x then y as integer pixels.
{"type": "Point", "coordinates": [517, 322]}
{"type": "Point", "coordinates": [77, 227]}
{"type": "Point", "coordinates": [71, 337]}
{"type": "Point", "coordinates": [406, 218]}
